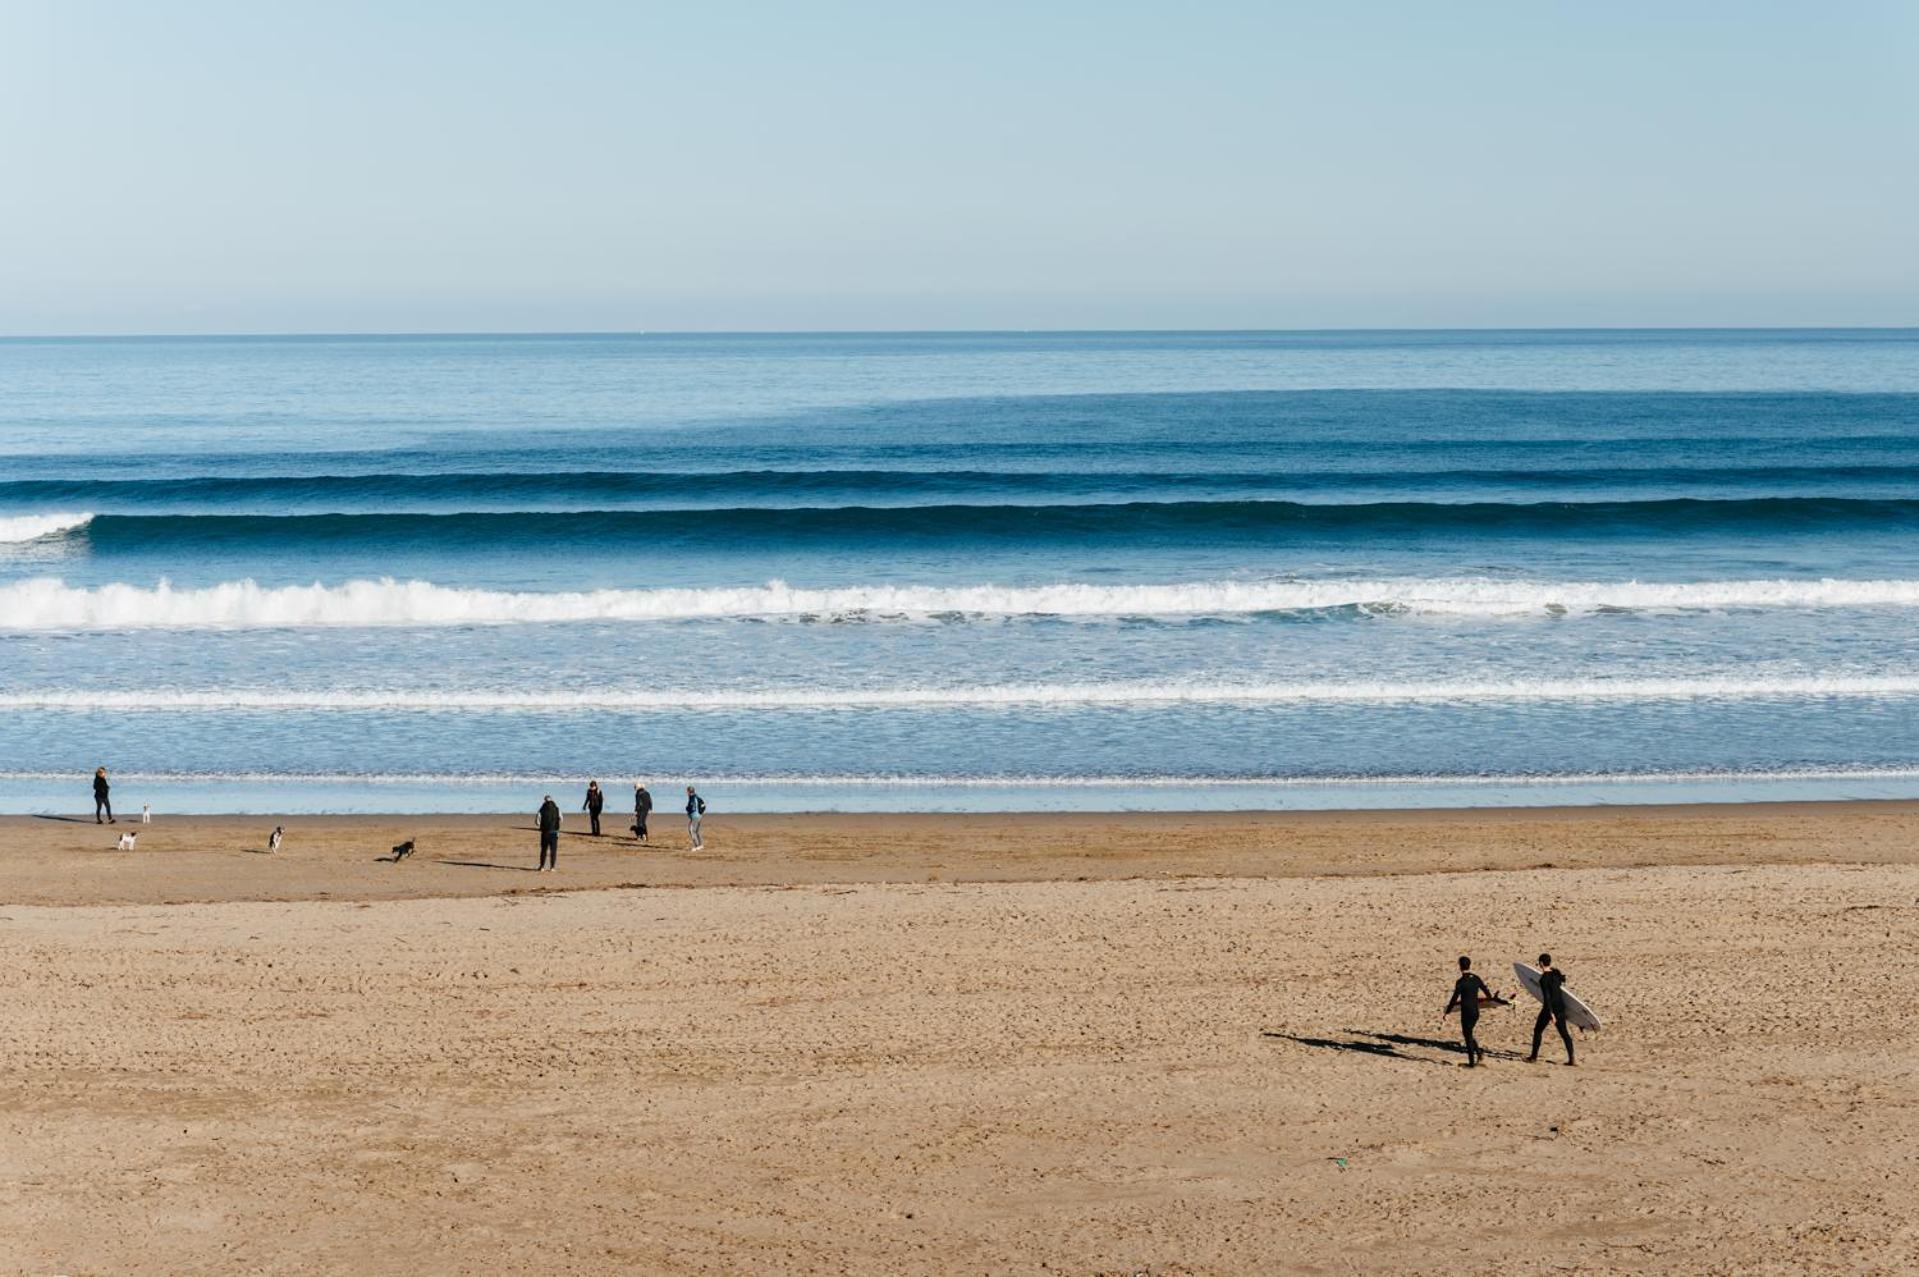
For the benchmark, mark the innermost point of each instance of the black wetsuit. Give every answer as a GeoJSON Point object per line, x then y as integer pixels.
{"type": "Point", "coordinates": [642, 807]}
{"type": "Point", "coordinates": [101, 803]}
{"type": "Point", "coordinates": [595, 800]}
{"type": "Point", "coordinates": [1552, 1010]}
{"type": "Point", "coordinates": [1467, 991]}
{"type": "Point", "coordinates": [549, 834]}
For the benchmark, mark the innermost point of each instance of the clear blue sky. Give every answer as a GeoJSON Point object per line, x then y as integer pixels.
{"type": "Point", "coordinates": [285, 167]}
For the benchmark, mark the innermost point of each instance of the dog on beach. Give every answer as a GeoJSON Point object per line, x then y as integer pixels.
{"type": "Point", "coordinates": [402, 851]}
{"type": "Point", "coordinates": [273, 839]}
{"type": "Point", "coordinates": [146, 814]}
{"type": "Point", "coordinates": [126, 841]}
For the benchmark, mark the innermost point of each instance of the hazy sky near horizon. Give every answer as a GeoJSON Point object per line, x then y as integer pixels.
{"type": "Point", "coordinates": [227, 166]}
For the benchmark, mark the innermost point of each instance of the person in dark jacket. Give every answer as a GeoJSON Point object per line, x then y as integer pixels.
{"type": "Point", "coordinates": [1552, 1007]}
{"type": "Point", "coordinates": [642, 808]}
{"type": "Point", "coordinates": [1467, 991]}
{"type": "Point", "coordinates": [695, 809]}
{"type": "Point", "coordinates": [102, 803]}
{"type": "Point", "coordinates": [549, 834]}
{"type": "Point", "coordinates": [595, 800]}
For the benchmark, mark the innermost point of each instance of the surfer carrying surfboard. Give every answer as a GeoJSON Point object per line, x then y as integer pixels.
{"type": "Point", "coordinates": [1469, 994]}
{"type": "Point", "coordinates": [1552, 1007]}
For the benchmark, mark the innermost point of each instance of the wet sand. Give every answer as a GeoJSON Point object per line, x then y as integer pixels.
{"type": "Point", "coordinates": [1080, 1044]}
{"type": "Point", "coordinates": [198, 859]}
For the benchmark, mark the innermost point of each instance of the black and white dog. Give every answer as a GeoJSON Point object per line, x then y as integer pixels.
{"type": "Point", "coordinates": [275, 838]}
{"type": "Point", "coordinates": [402, 851]}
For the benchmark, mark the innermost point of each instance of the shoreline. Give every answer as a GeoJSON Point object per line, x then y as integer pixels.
{"type": "Point", "coordinates": [67, 860]}
{"type": "Point", "coordinates": [374, 797]}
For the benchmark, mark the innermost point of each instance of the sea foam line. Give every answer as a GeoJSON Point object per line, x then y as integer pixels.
{"type": "Point", "coordinates": [1007, 780]}
{"type": "Point", "coordinates": [47, 603]}
{"type": "Point", "coordinates": [18, 528]}
{"type": "Point", "coordinates": [1030, 695]}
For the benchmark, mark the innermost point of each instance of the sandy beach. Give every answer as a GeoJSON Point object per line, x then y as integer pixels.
{"type": "Point", "coordinates": [879, 1044]}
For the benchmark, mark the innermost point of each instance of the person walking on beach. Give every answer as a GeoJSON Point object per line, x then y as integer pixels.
{"type": "Point", "coordinates": [595, 800]}
{"type": "Point", "coordinates": [101, 801]}
{"type": "Point", "coordinates": [1552, 1007]}
{"type": "Point", "coordinates": [642, 808]}
{"type": "Point", "coordinates": [549, 834]}
{"type": "Point", "coordinates": [695, 808]}
{"type": "Point", "coordinates": [1467, 991]}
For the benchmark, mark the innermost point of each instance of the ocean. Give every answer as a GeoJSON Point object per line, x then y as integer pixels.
{"type": "Point", "coordinates": [960, 571]}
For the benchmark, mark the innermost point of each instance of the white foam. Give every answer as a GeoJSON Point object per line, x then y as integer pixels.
{"type": "Point", "coordinates": [47, 603]}
{"type": "Point", "coordinates": [1023, 696]}
{"type": "Point", "coordinates": [31, 527]}
{"type": "Point", "coordinates": [1014, 780]}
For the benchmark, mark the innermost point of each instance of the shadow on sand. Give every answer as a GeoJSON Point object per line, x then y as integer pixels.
{"type": "Point", "coordinates": [480, 864]}
{"type": "Point", "coordinates": [1385, 1049]}
{"type": "Point", "coordinates": [1452, 1045]}
{"type": "Point", "coordinates": [1386, 1045]}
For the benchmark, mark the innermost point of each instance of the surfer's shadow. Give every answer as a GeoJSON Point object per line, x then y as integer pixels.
{"type": "Point", "coordinates": [1386, 1045]}
{"type": "Point", "coordinates": [1451, 1045]}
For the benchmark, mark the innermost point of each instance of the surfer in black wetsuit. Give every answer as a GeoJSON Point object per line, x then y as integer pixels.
{"type": "Point", "coordinates": [1467, 991]}
{"type": "Point", "coordinates": [1552, 1007]}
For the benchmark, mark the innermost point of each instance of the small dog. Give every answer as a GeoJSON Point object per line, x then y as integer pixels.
{"type": "Point", "coordinates": [146, 814]}
{"type": "Point", "coordinates": [126, 841]}
{"type": "Point", "coordinates": [402, 851]}
{"type": "Point", "coordinates": [273, 840]}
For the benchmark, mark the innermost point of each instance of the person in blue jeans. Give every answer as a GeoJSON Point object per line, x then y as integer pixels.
{"type": "Point", "coordinates": [695, 808]}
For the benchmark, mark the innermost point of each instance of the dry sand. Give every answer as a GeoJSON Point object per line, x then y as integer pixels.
{"type": "Point", "coordinates": [952, 1044]}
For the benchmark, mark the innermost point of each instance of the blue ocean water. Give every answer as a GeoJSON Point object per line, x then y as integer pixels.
{"type": "Point", "coordinates": [961, 571]}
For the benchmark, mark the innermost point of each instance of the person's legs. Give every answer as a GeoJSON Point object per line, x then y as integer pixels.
{"type": "Point", "coordinates": [98, 805]}
{"type": "Point", "coordinates": [693, 832]}
{"type": "Point", "coordinates": [1564, 1036]}
{"type": "Point", "coordinates": [1539, 1031]}
{"type": "Point", "coordinates": [1467, 1023]}
{"type": "Point", "coordinates": [596, 822]}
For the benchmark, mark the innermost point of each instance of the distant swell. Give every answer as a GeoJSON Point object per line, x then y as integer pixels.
{"type": "Point", "coordinates": [1026, 696]}
{"type": "Point", "coordinates": [1019, 480]}
{"type": "Point", "coordinates": [1260, 522]}
{"type": "Point", "coordinates": [49, 604]}
{"type": "Point", "coordinates": [32, 527]}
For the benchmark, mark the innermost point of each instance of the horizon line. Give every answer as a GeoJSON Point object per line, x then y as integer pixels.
{"type": "Point", "coordinates": [430, 334]}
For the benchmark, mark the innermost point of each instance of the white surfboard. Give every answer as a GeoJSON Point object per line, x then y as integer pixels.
{"type": "Point", "coordinates": [1578, 1014]}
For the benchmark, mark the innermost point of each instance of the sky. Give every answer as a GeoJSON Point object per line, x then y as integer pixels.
{"type": "Point", "coordinates": [399, 166]}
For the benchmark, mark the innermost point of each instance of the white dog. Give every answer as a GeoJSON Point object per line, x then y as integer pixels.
{"type": "Point", "coordinates": [273, 840]}
{"type": "Point", "coordinates": [126, 841]}
{"type": "Point", "coordinates": [146, 814]}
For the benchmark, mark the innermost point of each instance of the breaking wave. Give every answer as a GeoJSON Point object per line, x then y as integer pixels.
{"type": "Point", "coordinates": [47, 603]}
{"type": "Point", "coordinates": [1032, 695]}
{"type": "Point", "coordinates": [32, 527]}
